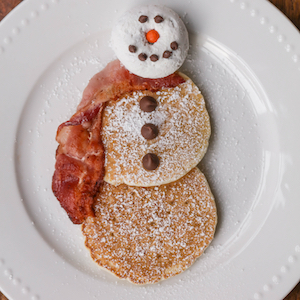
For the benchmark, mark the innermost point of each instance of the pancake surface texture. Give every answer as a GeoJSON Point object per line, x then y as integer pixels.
{"type": "Point", "coordinates": [149, 234]}
{"type": "Point", "coordinates": [183, 133]}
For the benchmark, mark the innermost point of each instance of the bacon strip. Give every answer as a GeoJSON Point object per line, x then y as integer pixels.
{"type": "Point", "coordinates": [80, 156]}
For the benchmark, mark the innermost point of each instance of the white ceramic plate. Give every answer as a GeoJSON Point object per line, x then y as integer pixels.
{"type": "Point", "coordinates": [245, 57]}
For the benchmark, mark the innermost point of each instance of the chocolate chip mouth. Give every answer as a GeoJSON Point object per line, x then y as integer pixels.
{"type": "Point", "coordinates": [142, 56]}
{"type": "Point", "coordinates": [132, 48]}
{"type": "Point", "coordinates": [154, 57]}
{"type": "Point", "coordinates": [167, 54]}
{"type": "Point", "coordinates": [174, 45]}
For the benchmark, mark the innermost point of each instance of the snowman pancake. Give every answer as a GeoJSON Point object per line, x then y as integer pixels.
{"type": "Point", "coordinates": [151, 41]}
{"type": "Point", "coordinates": [126, 160]}
{"type": "Point", "coordinates": [157, 145]}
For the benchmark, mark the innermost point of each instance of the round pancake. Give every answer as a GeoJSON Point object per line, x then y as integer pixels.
{"type": "Point", "coordinates": [183, 134]}
{"type": "Point", "coordinates": [149, 234]}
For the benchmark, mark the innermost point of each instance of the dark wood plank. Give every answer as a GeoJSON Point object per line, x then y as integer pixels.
{"type": "Point", "coordinates": [291, 8]}
{"type": "Point", "coordinates": [5, 7]}
{"type": "Point", "coordinates": [294, 294]}
{"type": "Point", "coordinates": [2, 297]}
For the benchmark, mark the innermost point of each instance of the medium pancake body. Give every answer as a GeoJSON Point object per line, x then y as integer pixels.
{"type": "Point", "coordinates": [184, 131]}
{"type": "Point", "coordinates": [149, 234]}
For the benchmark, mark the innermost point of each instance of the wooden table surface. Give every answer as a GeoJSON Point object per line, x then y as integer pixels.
{"type": "Point", "coordinates": [291, 8]}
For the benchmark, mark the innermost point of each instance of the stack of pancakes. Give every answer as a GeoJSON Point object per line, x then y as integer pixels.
{"type": "Point", "coordinates": [152, 224]}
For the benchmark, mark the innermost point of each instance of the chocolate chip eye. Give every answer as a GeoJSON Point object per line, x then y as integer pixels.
{"type": "Point", "coordinates": [158, 19]}
{"type": "Point", "coordinates": [132, 48]}
{"type": "Point", "coordinates": [143, 19]}
{"type": "Point", "coordinates": [142, 56]}
{"type": "Point", "coordinates": [174, 45]}
{"type": "Point", "coordinates": [167, 54]}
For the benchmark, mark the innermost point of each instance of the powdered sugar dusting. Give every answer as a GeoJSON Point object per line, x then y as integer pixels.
{"type": "Point", "coordinates": [148, 234]}
{"type": "Point", "coordinates": [184, 130]}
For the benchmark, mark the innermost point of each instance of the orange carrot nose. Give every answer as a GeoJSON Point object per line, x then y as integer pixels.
{"type": "Point", "coordinates": [152, 36]}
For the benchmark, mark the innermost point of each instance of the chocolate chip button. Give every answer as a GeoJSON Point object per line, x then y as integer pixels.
{"type": "Point", "coordinates": [148, 104]}
{"type": "Point", "coordinates": [149, 131]}
{"type": "Point", "coordinates": [150, 161]}
{"type": "Point", "coordinates": [158, 19]}
{"type": "Point", "coordinates": [143, 19]}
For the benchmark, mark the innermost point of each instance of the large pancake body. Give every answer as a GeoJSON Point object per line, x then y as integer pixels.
{"type": "Point", "coordinates": [149, 234]}
{"type": "Point", "coordinates": [184, 131]}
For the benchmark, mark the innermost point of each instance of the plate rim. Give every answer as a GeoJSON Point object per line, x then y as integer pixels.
{"type": "Point", "coordinates": [29, 4]}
